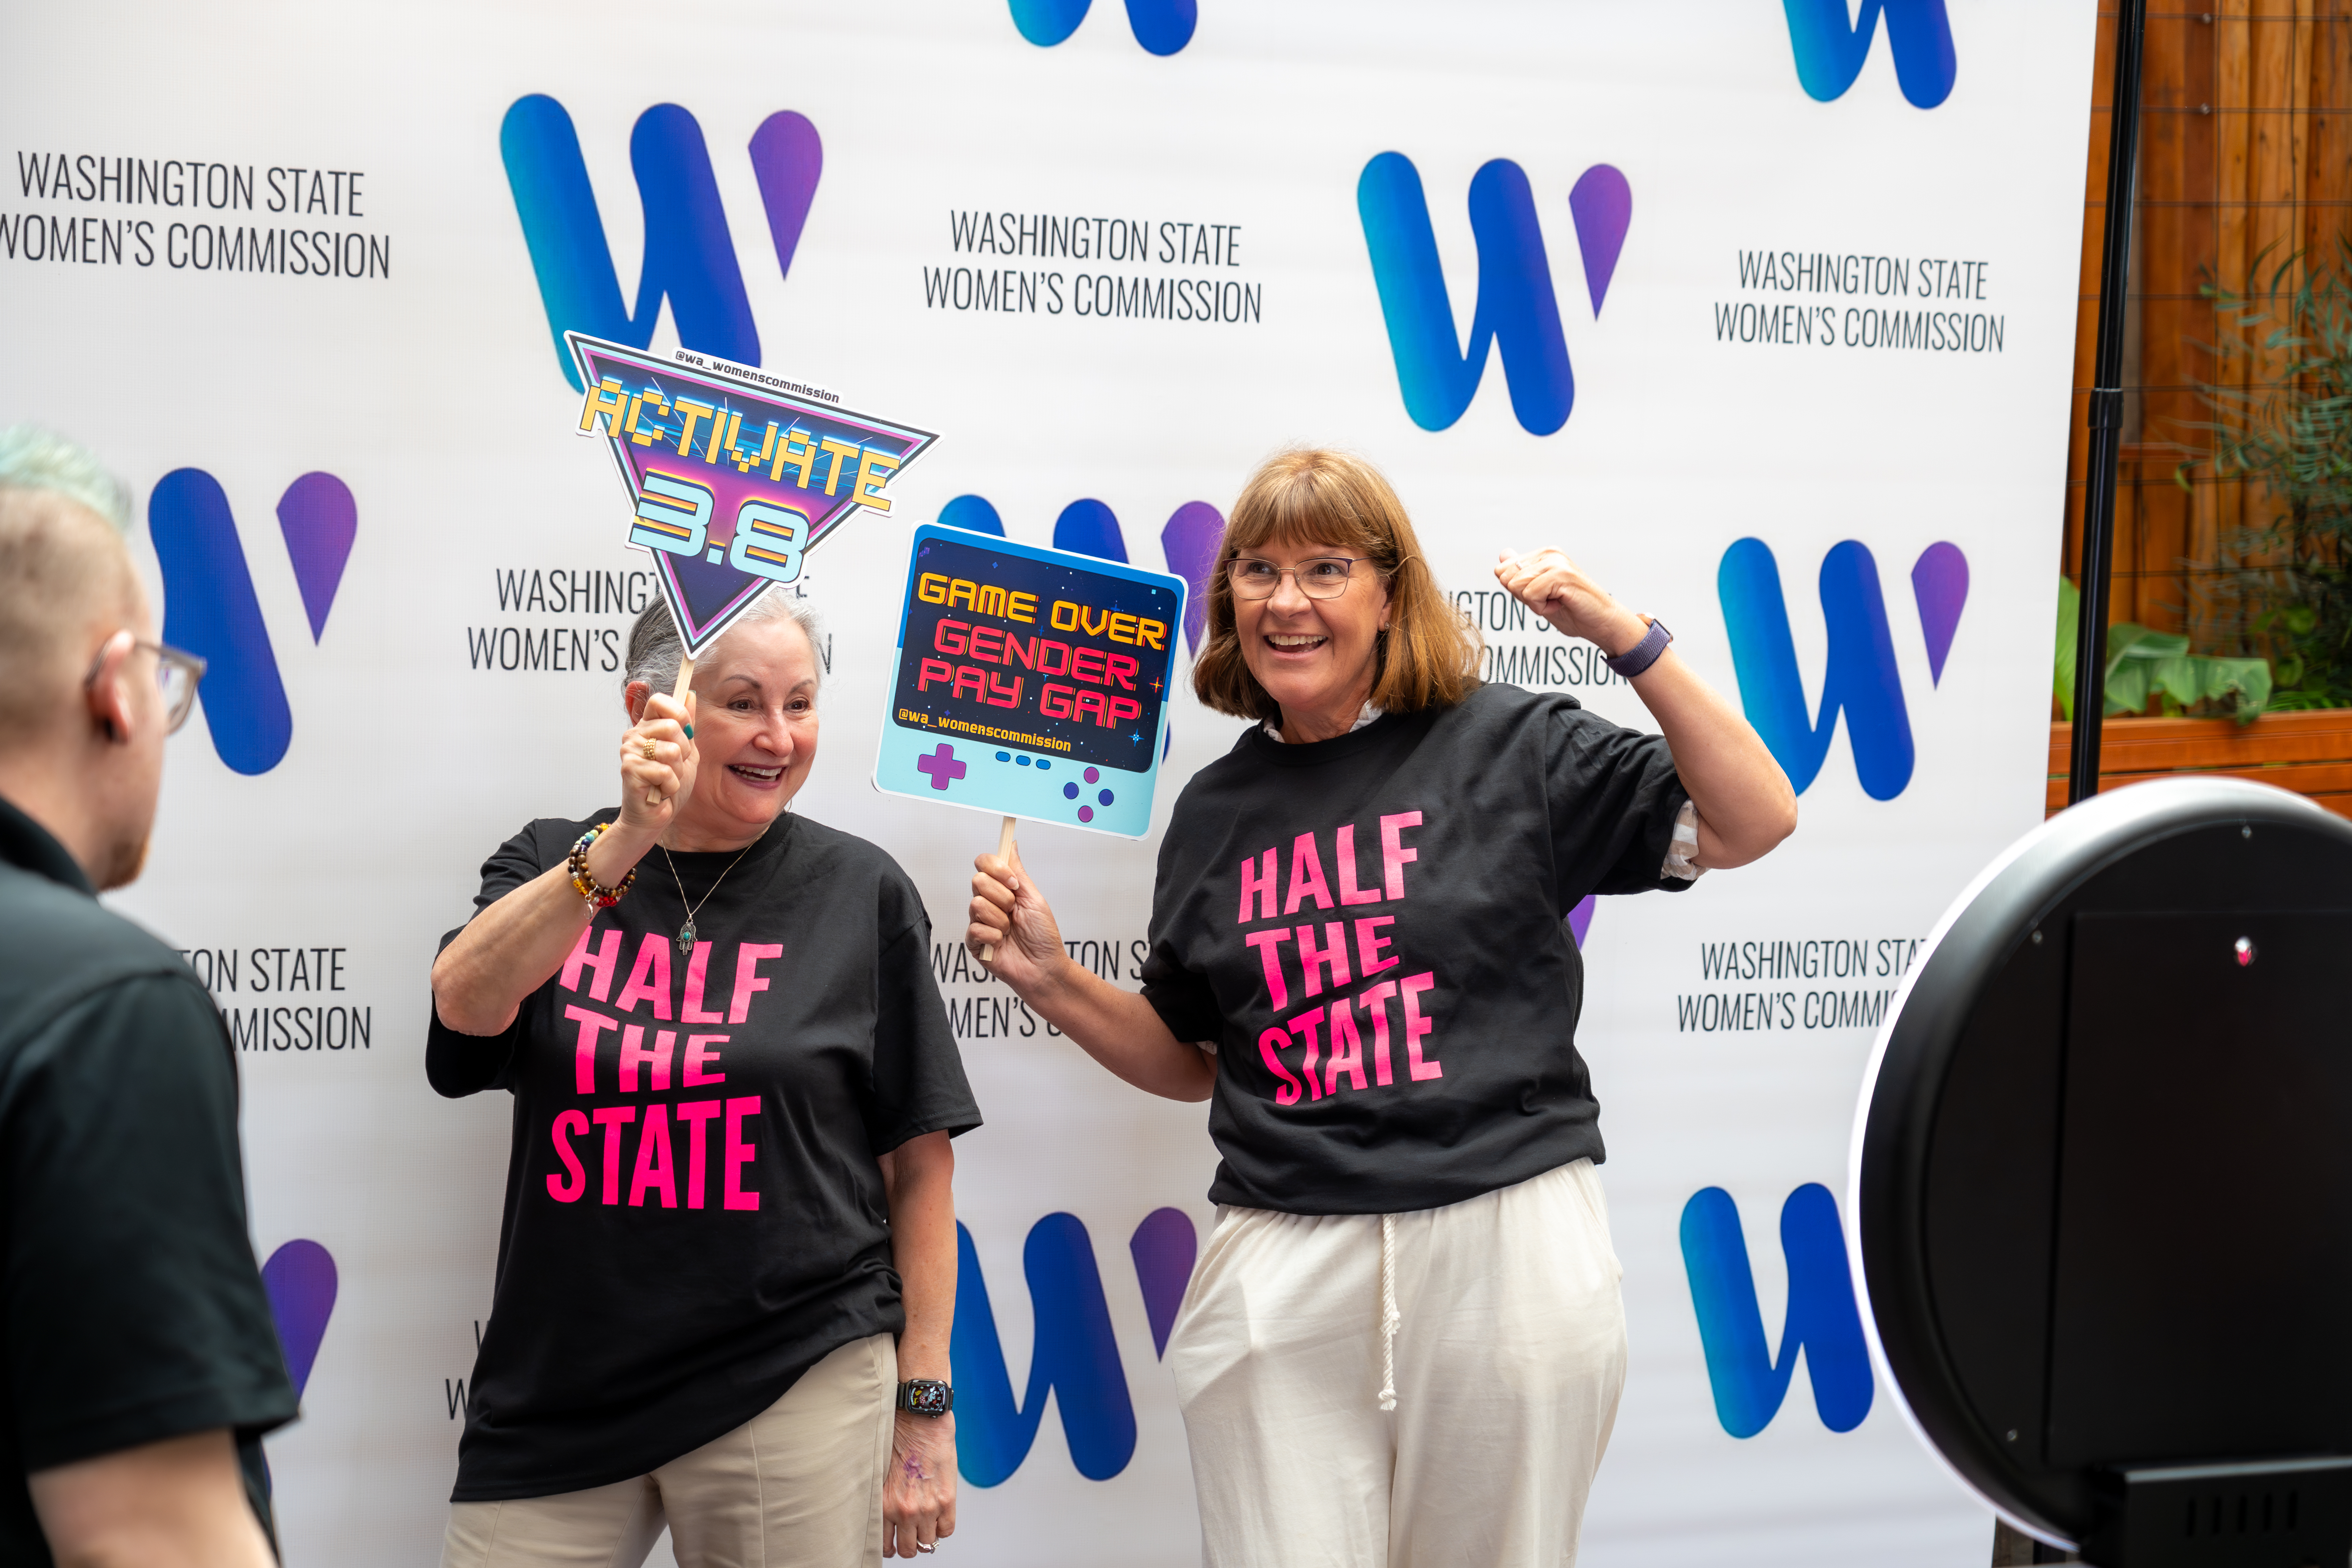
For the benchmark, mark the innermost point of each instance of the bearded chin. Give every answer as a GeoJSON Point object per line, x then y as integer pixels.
{"type": "Point", "coordinates": [129, 859]}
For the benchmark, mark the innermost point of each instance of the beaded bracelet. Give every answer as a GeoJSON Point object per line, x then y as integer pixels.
{"type": "Point", "coordinates": [599, 897]}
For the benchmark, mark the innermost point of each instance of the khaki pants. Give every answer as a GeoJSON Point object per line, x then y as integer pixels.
{"type": "Point", "coordinates": [798, 1484]}
{"type": "Point", "coordinates": [1510, 1356]}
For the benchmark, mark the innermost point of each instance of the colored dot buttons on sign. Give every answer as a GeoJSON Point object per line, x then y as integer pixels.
{"type": "Point", "coordinates": [1103, 797]}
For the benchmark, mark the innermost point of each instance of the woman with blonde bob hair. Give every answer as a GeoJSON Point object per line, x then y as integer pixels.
{"type": "Point", "coordinates": [1405, 1341]}
{"type": "Point", "coordinates": [1427, 653]}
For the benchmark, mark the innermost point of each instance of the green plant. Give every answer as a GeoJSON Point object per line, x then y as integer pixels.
{"type": "Point", "coordinates": [2282, 585]}
{"type": "Point", "coordinates": [2145, 665]}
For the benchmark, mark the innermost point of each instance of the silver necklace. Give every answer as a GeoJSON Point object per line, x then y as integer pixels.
{"type": "Point", "coordinates": [686, 931]}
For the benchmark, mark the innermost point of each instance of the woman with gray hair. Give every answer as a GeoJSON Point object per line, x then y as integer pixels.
{"type": "Point", "coordinates": [730, 1228]}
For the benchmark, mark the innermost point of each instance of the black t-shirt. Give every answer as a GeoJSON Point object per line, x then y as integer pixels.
{"type": "Point", "coordinates": [1369, 929]}
{"type": "Point", "coordinates": [133, 1310]}
{"type": "Point", "coordinates": [694, 1215]}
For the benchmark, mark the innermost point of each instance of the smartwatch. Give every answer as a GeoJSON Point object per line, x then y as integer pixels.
{"type": "Point", "coordinates": [926, 1397]}
{"type": "Point", "coordinates": [1642, 654]}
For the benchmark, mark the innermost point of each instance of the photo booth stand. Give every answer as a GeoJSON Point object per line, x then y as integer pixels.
{"type": "Point", "coordinates": [2102, 1181]}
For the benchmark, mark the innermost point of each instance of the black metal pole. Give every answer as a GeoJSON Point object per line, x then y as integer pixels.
{"type": "Point", "coordinates": [2106, 405]}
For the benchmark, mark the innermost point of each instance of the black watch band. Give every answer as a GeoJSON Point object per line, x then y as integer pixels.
{"type": "Point", "coordinates": [926, 1397]}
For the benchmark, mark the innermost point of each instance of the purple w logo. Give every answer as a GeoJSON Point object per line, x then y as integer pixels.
{"type": "Point", "coordinates": [689, 253]}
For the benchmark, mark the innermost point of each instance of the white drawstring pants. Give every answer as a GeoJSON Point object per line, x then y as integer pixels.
{"type": "Point", "coordinates": [1509, 1357]}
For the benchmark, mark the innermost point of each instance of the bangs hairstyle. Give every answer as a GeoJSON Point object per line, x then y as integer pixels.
{"type": "Point", "coordinates": [1429, 656]}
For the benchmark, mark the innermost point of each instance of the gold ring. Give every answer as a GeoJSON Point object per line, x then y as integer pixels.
{"type": "Point", "coordinates": [647, 747]}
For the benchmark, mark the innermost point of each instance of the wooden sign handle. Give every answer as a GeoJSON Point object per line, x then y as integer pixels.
{"type": "Point", "coordinates": [685, 680]}
{"type": "Point", "coordinates": [1004, 848]}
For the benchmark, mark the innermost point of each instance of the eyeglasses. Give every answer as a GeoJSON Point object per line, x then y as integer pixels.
{"type": "Point", "coordinates": [177, 675]}
{"type": "Point", "coordinates": [1319, 577]}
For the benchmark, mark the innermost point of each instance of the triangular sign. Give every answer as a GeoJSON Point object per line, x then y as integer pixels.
{"type": "Point", "coordinates": [734, 476]}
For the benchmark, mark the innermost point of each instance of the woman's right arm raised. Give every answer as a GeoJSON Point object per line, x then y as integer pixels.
{"type": "Point", "coordinates": [508, 950]}
{"type": "Point", "coordinates": [1118, 1028]}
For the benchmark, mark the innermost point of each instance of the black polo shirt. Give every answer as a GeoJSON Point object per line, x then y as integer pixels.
{"type": "Point", "coordinates": [131, 1307]}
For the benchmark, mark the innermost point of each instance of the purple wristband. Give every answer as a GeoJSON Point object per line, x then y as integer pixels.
{"type": "Point", "coordinates": [1642, 654]}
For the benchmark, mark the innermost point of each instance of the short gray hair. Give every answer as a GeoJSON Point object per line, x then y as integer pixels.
{"type": "Point", "coordinates": [32, 458]}
{"type": "Point", "coordinates": [656, 649]}
{"type": "Point", "coordinates": [66, 577]}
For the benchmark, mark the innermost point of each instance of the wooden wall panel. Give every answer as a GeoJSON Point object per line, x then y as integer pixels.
{"type": "Point", "coordinates": [2246, 165]}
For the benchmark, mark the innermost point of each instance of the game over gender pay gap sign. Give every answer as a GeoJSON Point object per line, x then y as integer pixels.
{"type": "Point", "coordinates": [1030, 682]}
{"type": "Point", "coordinates": [735, 476]}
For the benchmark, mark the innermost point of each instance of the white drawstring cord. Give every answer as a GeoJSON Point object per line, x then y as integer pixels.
{"type": "Point", "coordinates": [1388, 1311]}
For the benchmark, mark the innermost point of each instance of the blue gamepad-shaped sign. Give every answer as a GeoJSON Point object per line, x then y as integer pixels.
{"type": "Point", "coordinates": [1030, 682]}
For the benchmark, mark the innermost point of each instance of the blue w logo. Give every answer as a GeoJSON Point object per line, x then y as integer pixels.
{"type": "Point", "coordinates": [210, 607]}
{"type": "Point", "coordinates": [1829, 52]}
{"type": "Point", "coordinates": [1862, 682]}
{"type": "Point", "coordinates": [1161, 27]}
{"type": "Point", "coordinates": [1088, 527]}
{"type": "Point", "coordinates": [689, 254]}
{"type": "Point", "coordinates": [1517, 310]}
{"type": "Point", "coordinates": [1073, 1354]}
{"type": "Point", "coordinates": [1822, 1320]}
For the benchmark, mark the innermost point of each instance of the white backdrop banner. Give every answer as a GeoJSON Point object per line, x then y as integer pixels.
{"type": "Point", "coordinates": [1764, 310]}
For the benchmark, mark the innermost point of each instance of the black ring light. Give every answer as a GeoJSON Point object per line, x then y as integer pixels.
{"type": "Point", "coordinates": [2102, 1181]}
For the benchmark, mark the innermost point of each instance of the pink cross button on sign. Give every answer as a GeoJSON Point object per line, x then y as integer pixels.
{"type": "Point", "coordinates": [942, 766]}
